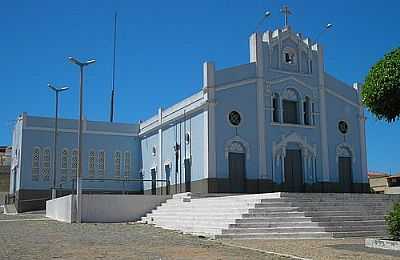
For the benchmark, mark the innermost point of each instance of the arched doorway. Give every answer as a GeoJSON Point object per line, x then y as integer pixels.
{"type": "Point", "coordinates": [345, 167]}
{"type": "Point", "coordinates": [236, 154]}
{"type": "Point", "coordinates": [293, 165]}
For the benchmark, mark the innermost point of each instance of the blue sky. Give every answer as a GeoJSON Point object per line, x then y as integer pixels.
{"type": "Point", "coordinates": [161, 48]}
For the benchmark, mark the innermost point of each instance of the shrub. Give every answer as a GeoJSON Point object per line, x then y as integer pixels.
{"type": "Point", "coordinates": [393, 222]}
{"type": "Point", "coordinates": [381, 91]}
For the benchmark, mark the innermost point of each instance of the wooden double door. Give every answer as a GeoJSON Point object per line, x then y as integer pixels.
{"type": "Point", "coordinates": [345, 174]}
{"type": "Point", "coordinates": [237, 172]}
{"type": "Point", "coordinates": [294, 181]}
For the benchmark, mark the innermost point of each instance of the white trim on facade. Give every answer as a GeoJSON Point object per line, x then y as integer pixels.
{"type": "Point", "coordinates": [230, 145]}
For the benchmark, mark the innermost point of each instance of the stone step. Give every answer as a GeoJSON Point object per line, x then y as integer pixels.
{"type": "Point", "coordinates": [352, 223]}
{"type": "Point", "coordinates": [323, 219]}
{"type": "Point", "coordinates": [355, 228]}
{"type": "Point", "coordinates": [298, 235]}
{"type": "Point", "coordinates": [359, 234]}
{"type": "Point", "coordinates": [274, 224]}
{"type": "Point", "coordinates": [273, 214]}
{"type": "Point", "coordinates": [340, 213]}
{"type": "Point", "coordinates": [317, 209]}
{"type": "Point", "coordinates": [272, 220]}
{"type": "Point", "coordinates": [272, 230]}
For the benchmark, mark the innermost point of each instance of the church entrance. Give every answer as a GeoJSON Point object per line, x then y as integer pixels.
{"type": "Point", "coordinates": [167, 179]}
{"type": "Point", "coordinates": [153, 182]}
{"type": "Point", "coordinates": [345, 174]}
{"type": "Point", "coordinates": [188, 175]}
{"type": "Point", "coordinates": [237, 171]}
{"type": "Point", "coordinates": [294, 171]}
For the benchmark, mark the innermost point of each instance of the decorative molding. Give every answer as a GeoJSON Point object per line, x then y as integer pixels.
{"type": "Point", "coordinates": [279, 148]}
{"type": "Point", "coordinates": [348, 101]}
{"type": "Point", "coordinates": [345, 150]}
{"type": "Point", "coordinates": [233, 145]}
{"type": "Point", "coordinates": [240, 83]}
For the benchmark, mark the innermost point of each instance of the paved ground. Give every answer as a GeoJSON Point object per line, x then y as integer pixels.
{"type": "Point", "coordinates": [321, 249]}
{"type": "Point", "coordinates": [28, 236]}
{"type": "Point", "coordinates": [31, 236]}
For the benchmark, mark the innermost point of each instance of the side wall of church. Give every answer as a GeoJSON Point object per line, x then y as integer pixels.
{"type": "Point", "coordinates": [188, 133]}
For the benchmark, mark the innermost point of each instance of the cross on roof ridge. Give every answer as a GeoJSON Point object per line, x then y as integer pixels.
{"type": "Point", "coordinates": [286, 12]}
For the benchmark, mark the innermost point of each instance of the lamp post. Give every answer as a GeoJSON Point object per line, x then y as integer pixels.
{"type": "Point", "coordinates": [56, 91]}
{"type": "Point", "coordinates": [265, 16]}
{"type": "Point", "coordinates": [79, 172]}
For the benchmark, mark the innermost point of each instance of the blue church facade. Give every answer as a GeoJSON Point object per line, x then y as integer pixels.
{"type": "Point", "coordinates": [277, 123]}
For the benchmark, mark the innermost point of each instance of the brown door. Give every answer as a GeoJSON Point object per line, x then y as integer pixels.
{"type": "Point", "coordinates": [237, 171]}
{"type": "Point", "coordinates": [345, 174]}
{"type": "Point", "coordinates": [188, 175]}
{"type": "Point", "coordinates": [294, 171]}
{"type": "Point", "coordinates": [153, 182]}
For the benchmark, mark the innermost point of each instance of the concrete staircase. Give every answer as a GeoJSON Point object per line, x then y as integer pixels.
{"type": "Point", "coordinates": [275, 215]}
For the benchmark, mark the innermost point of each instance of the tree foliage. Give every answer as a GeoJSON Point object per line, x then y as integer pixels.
{"type": "Point", "coordinates": [393, 222]}
{"type": "Point", "coordinates": [381, 91]}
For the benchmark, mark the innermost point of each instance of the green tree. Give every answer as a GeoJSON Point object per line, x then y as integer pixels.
{"type": "Point", "coordinates": [381, 91]}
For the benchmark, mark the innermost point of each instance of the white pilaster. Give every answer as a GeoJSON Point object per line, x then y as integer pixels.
{"type": "Point", "coordinates": [210, 155]}
{"type": "Point", "coordinates": [363, 147]}
{"type": "Point", "coordinates": [261, 131]}
{"type": "Point", "coordinates": [160, 155]}
{"type": "Point", "coordinates": [323, 115]}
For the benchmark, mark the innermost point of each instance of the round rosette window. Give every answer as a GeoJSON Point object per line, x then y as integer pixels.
{"type": "Point", "coordinates": [343, 127]}
{"type": "Point", "coordinates": [235, 118]}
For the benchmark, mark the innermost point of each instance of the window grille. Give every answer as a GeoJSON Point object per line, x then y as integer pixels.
{"type": "Point", "coordinates": [127, 163]}
{"type": "Point", "coordinates": [64, 165]}
{"type": "Point", "coordinates": [74, 163]}
{"type": "Point", "coordinates": [92, 162]}
{"type": "Point", "coordinates": [117, 164]}
{"type": "Point", "coordinates": [46, 165]}
{"type": "Point", "coordinates": [35, 164]}
{"type": "Point", "coordinates": [101, 163]}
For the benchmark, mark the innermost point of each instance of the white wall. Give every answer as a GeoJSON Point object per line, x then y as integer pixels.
{"type": "Point", "coordinates": [104, 207]}
{"type": "Point", "coordinates": [61, 209]}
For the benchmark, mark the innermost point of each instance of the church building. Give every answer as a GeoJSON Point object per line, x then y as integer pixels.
{"type": "Point", "coordinates": [277, 123]}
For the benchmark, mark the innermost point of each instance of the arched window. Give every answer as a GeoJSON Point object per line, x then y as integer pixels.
{"type": "Point", "coordinates": [127, 163]}
{"type": "Point", "coordinates": [117, 164]}
{"type": "Point", "coordinates": [290, 104]}
{"type": "Point", "coordinates": [46, 164]}
{"type": "Point", "coordinates": [92, 163]}
{"type": "Point", "coordinates": [64, 164]}
{"type": "Point", "coordinates": [101, 163]}
{"type": "Point", "coordinates": [35, 163]}
{"type": "Point", "coordinates": [275, 108]}
{"type": "Point", "coordinates": [307, 111]}
{"type": "Point", "coordinates": [74, 163]}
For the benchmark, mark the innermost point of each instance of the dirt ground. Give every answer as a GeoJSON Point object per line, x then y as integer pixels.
{"type": "Point", "coordinates": [32, 236]}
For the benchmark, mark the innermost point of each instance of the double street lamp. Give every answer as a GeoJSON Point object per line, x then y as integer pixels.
{"type": "Point", "coordinates": [56, 91]}
{"type": "Point", "coordinates": [79, 172]}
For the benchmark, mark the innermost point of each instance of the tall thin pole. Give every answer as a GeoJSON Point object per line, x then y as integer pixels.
{"type": "Point", "coordinates": [113, 75]}
{"type": "Point", "coordinates": [54, 191]}
{"type": "Point", "coordinates": [79, 172]}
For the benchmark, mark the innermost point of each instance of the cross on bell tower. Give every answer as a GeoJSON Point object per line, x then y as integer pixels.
{"type": "Point", "coordinates": [286, 12]}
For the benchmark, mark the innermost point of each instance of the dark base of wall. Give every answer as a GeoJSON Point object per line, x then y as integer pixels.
{"type": "Point", "coordinates": [260, 186]}
{"type": "Point", "coordinates": [30, 200]}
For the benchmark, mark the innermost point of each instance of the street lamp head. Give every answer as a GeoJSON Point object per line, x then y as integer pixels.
{"type": "Point", "coordinates": [267, 14]}
{"type": "Point", "coordinates": [74, 61]}
{"type": "Point", "coordinates": [329, 25]}
{"type": "Point", "coordinates": [64, 88]}
{"type": "Point", "coordinates": [90, 62]}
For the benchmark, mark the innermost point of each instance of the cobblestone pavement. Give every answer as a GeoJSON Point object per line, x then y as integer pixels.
{"type": "Point", "coordinates": [320, 249]}
{"type": "Point", "coordinates": [30, 236]}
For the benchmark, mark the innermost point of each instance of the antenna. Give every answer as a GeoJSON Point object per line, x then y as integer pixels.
{"type": "Point", "coordinates": [113, 70]}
